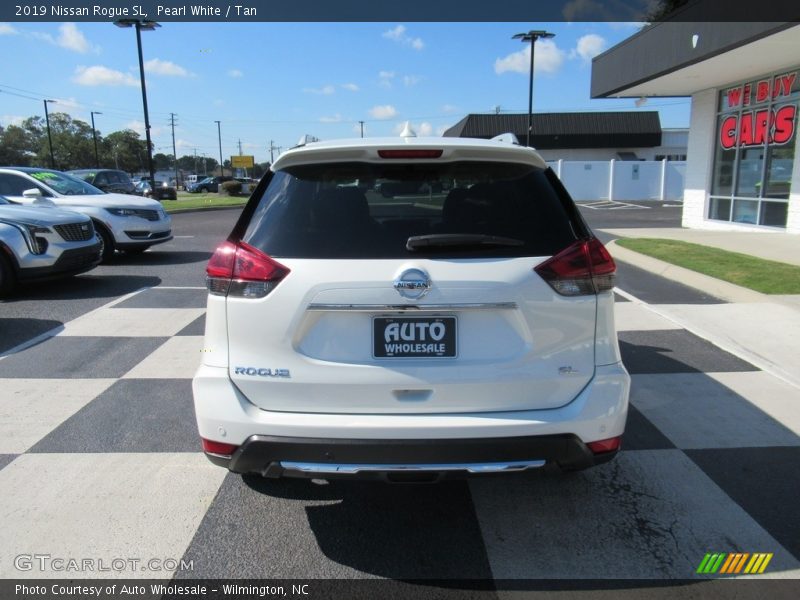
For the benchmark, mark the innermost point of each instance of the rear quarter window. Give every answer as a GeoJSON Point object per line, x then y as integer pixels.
{"type": "Point", "coordinates": [366, 210]}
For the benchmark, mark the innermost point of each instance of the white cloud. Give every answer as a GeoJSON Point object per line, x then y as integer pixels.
{"type": "Point", "coordinates": [71, 38]}
{"type": "Point", "coordinates": [547, 58]}
{"type": "Point", "coordinates": [179, 143]}
{"type": "Point", "coordinates": [68, 103]}
{"type": "Point", "coordinates": [6, 120]}
{"type": "Point", "coordinates": [386, 111]}
{"type": "Point", "coordinates": [166, 68]}
{"type": "Point", "coordinates": [337, 118]}
{"type": "Point", "coordinates": [351, 87]}
{"type": "Point", "coordinates": [441, 129]}
{"type": "Point", "coordinates": [100, 75]}
{"type": "Point", "coordinates": [399, 35]}
{"type": "Point", "coordinates": [449, 108]}
{"type": "Point", "coordinates": [588, 47]}
{"type": "Point", "coordinates": [325, 90]}
{"type": "Point", "coordinates": [138, 127]}
{"type": "Point", "coordinates": [7, 29]}
{"type": "Point", "coordinates": [235, 73]}
{"type": "Point", "coordinates": [385, 78]}
{"type": "Point", "coordinates": [423, 129]}
{"type": "Point", "coordinates": [409, 80]}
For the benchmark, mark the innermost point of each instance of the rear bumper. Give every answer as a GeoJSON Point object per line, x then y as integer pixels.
{"type": "Point", "coordinates": [273, 456]}
{"type": "Point", "coordinates": [266, 439]}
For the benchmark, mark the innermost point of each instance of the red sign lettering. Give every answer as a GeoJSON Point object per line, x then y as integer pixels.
{"type": "Point", "coordinates": [762, 91]}
{"type": "Point", "coordinates": [727, 133]}
{"type": "Point", "coordinates": [734, 96]}
{"type": "Point", "coordinates": [784, 124]}
{"type": "Point", "coordinates": [759, 127]}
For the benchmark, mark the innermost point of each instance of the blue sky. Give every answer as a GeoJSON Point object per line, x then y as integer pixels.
{"type": "Point", "coordinates": [278, 81]}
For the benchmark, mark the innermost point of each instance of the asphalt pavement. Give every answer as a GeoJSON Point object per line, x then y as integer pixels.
{"type": "Point", "coordinates": [99, 457]}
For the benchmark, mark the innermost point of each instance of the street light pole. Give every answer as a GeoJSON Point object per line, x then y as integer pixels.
{"type": "Point", "coordinates": [219, 136]}
{"type": "Point", "coordinates": [94, 135]}
{"type": "Point", "coordinates": [49, 137]}
{"type": "Point", "coordinates": [147, 25]}
{"type": "Point", "coordinates": [531, 37]}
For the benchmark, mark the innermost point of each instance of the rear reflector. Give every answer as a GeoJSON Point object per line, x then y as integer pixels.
{"type": "Point", "coordinates": [410, 153]}
{"type": "Point", "coordinates": [218, 447]}
{"type": "Point", "coordinates": [582, 269]}
{"type": "Point", "coordinates": [242, 271]}
{"type": "Point", "coordinates": [602, 446]}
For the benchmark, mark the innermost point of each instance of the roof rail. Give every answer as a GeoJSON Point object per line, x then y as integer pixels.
{"type": "Point", "coordinates": [507, 138]}
{"type": "Point", "coordinates": [306, 139]}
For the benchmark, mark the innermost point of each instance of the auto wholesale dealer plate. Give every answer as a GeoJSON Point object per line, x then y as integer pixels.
{"type": "Point", "coordinates": [414, 337]}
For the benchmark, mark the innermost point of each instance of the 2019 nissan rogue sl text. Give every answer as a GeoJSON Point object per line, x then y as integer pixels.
{"type": "Point", "coordinates": [410, 308]}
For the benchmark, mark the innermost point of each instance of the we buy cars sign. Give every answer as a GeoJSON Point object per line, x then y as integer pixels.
{"type": "Point", "coordinates": [774, 125]}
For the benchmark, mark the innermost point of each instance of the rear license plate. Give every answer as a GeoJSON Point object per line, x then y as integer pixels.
{"type": "Point", "coordinates": [414, 337]}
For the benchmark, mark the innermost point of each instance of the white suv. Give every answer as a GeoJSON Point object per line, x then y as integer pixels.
{"type": "Point", "coordinates": [409, 308]}
{"type": "Point", "coordinates": [122, 221]}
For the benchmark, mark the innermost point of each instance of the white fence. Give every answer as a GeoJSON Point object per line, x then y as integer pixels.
{"type": "Point", "coordinates": [622, 179]}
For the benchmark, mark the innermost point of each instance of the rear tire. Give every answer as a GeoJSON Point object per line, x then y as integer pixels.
{"type": "Point", "coordinates": [106, 243]}
{"type": "Point", "coordinates": [7, 278]}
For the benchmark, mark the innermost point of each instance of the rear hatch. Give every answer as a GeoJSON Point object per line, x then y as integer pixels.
{"type": "Point", "coordinates": [442, 287]}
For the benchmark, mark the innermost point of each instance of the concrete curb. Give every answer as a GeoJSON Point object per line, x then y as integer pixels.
{"type": "Point", "coordinates": [709, 285]}
{"type": "Point", "coordinates": [209, 208]}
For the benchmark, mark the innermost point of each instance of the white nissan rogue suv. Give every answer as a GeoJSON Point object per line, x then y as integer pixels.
{"type": "Point", "coordinates": [410, 308]}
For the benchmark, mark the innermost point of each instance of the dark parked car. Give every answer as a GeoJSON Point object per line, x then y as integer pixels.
{"type": "Point", "coordinates": [209, 184]}
{"type": "Point", "coordinates": [108, 180]}
{"type": "Point", "coordinates": [160, 191]}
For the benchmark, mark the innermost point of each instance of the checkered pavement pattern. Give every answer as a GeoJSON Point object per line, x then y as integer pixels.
{"type": "Point", "coordinates": [99, 458]}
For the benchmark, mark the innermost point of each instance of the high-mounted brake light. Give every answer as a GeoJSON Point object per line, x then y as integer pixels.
{"type": "Point", "coordinates": [419, 153]}
{"type": "Point", "coordinates": [583, 268]}
{"type": "Point", "coordinates": [242, 271]}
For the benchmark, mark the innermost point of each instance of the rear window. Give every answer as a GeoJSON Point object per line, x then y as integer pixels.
{"type": "Point", "coordinates": [366, 210]}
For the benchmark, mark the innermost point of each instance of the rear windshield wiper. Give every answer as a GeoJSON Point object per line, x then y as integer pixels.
{"type": "Point", "coordinates": [418, 242]}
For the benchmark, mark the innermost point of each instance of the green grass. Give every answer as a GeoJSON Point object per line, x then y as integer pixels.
{"type": "Point", "coordinates": [188, 201]}
{"type": "Point", "coordinates": [765, 276]}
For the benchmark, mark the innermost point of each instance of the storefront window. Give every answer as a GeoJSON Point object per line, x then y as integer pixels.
{"type": "Point", "coordinates": [755, 149]}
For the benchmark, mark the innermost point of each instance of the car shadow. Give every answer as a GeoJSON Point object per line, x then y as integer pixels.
{"type": "Point", "coordinates": [82, 287]}
{"type": "Point", "coordinates": [14, 331]}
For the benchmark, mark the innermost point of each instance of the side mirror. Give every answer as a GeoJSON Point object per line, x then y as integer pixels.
{"type": "Point", "coordinates": [32, 193]}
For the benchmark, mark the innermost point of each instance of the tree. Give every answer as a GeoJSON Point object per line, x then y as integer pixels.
{"type": "Point", "coordinates": [16, 147]}
{"type": "Point", "coordinates": [73, 146]}
{"type": "Point", "coordinates": [124, 150]}
{"type": "Point", "coordinates": [162, 162]}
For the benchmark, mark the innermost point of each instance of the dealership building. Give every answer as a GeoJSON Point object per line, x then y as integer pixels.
{"type": "Point", "coordinates": [743, 170]}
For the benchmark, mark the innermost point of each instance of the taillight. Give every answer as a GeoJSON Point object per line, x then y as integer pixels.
{"type": "Point", "coordinates": [242, 271]}
{"type": "Point", "coordinates": [603, 446]}
{"type": "Point", "coordinates": [583, 268]}
{"type": "Point", "coordinates": [218, 447]}
{"type": "Point", "coordinates": [418, 153]}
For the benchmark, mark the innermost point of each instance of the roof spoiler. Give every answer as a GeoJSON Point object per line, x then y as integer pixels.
{"type": "Point", "coordinates": [506, 138]}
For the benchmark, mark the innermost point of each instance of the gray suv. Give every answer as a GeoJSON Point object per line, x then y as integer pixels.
{"type": "Point", "coordinates": [42, 242]}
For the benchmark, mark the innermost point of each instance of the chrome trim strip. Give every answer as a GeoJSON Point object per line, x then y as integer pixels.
{"type": "Point", "coordinates": [322, 468]}
{"type": "Point", "coordinates": [414, 307]}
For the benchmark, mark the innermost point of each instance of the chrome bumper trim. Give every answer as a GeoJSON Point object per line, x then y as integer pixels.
{"type": "Point", "coordinates": [414, 307]}
{"type": "Point", "coordinates": [323, 468]}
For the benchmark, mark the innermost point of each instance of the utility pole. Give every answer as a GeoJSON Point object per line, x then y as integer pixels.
{"type": "Point", "coordinates": [94, 135]}
{"type": "Point", "coordinates": [272, 148]}
{"type": "Point", "coordinates": [362, 128]}
{"type": "Point", "coordinates": [174, 151]}
{"type": "Point", "coordinates": [219, 136]}
{"type": "Point", "coordinates": [49, 138]}
{"type": "Point", "coordinates": [195, 161]}
{"type": "Point", "coordinates": [240, 147]}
